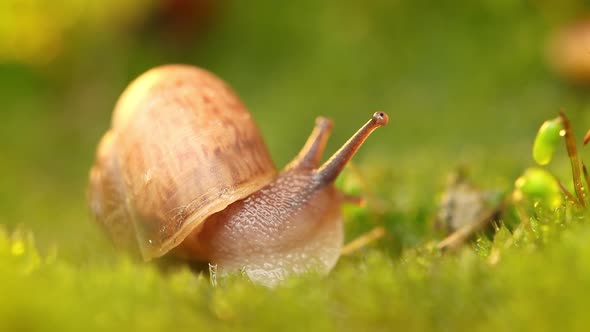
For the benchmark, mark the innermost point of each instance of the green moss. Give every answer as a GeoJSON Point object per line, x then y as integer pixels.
{"type": "Point", "coordinates": [537, 282]}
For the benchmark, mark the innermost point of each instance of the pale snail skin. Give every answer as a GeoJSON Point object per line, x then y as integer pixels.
{"type": "Point", "coordinates": [183, 171]}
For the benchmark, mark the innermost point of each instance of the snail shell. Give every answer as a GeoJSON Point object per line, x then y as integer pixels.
{"type": "Point", "coordinates": [181, 147]}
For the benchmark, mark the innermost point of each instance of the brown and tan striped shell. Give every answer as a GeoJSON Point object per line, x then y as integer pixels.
{"type": "Point", "coordinates": [181, 147]}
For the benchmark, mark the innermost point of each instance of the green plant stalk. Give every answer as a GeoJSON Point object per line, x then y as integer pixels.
{"type": "Point", "coordinates": [570, 143]}
{"type": "Point", "coordinates": [586, 175]}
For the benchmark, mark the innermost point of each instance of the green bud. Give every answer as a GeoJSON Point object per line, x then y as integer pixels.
{"type": "Point", "coordinates": [547, 139]}
{"type": "Point", "coordinates": [538, 185]}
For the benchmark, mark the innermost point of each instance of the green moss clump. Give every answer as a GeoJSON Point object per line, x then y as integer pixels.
{"type": "Point", "coordinates": [534, 282]}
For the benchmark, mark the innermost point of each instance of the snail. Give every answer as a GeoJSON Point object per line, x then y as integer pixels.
{"type": "Point", "coordinates": [183, 171]}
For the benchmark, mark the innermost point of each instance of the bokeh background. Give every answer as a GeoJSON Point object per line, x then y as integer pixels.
{"type": "Point", "coordinates": [465, 83]}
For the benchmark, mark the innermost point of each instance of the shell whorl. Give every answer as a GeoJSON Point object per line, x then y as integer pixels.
{"type": "Point", "coordinates": [181, 147]}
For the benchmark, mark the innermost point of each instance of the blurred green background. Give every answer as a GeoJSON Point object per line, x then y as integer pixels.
{"type": "Point", "coordinates": [464, 82]}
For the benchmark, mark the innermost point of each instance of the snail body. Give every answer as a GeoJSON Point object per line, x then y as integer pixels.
{"type": "Point", "coordinates": [184, 171]}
